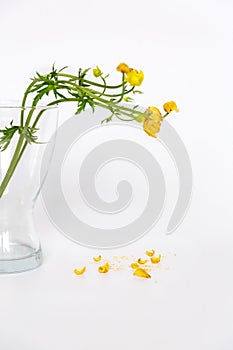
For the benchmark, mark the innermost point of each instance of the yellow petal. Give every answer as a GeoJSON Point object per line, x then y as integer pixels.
{"type": "Point", "coordinates": [140, 261]}
{"type": "Point", "coordinates": [134, 265]}
{"type": "Point", "coordinates": [104, 268]}
{"type": "Point", "coordinates": [107, 265]}
{"type": "Point", "coordinates": [141, 273]}
{"type": "Point", "coordinates": [98, 258]}
{"type": "Point", "coordinates": [80, 272]}
{"type": "Point", "coordinates": [150, 253]}
{"type": "Point", "coordinates": [155, 260]}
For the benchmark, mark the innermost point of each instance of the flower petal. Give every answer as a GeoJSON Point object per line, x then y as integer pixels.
{"type": "Point", "coordinates": [134, 265]}
{"type": "Point", "coordinates": [140, 261]}
{"type": "Point", "coordinates": [80, 272]}
{"type": "Point", "coordinates": [104, 268]}
{"type": "Point", "coordinates": [141, 273]}
{"type": "Point", "coordinates": [98, 258]}
{"type": "Point", "coordinates": [155, 260]}
{"type": "Point", "coordinates": [150, 253]}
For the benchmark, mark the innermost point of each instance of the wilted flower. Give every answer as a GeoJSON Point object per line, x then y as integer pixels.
{"type": "Point", "coordinates": [152, 123]}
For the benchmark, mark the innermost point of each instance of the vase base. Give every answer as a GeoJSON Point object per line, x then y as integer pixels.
{"type": "Point", "coordinates": [22, 258]}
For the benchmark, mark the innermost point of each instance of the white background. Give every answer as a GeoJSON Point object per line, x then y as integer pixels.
{"type": "Point", "coordinates": [185, 50]}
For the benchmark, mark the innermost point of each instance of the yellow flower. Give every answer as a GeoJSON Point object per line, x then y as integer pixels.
{"type": "Point", "coordinates": [123, 68]}
{"type": "Point", "coordinates": [80, 272]}
{"type": "Point", "coordinates": [98, 258]}
{"type": "Point", "coordinates": [134, 78]}
{"type": "Point", "coordinates": [97, 72]}
{"type": "Point", "coordinates": [134, 265]}
{"type": "Point", "coordinates": [170, 106]}
{"type": "Point", "coordinates": [140, 261]}
{"type": "Point", "coordinates": [150, 253]}
{"type": "Point", "coordinates": [152, 123]}
{"type": "Point", "coordinates": [155, 260]}
{"type": "Point", "coordinates": [141, 273]}
{"type": "Point", "coordinates": [104, 268]}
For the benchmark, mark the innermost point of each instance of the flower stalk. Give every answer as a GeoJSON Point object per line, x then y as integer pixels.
{"type": "Point", "coordinates": [63, 88]}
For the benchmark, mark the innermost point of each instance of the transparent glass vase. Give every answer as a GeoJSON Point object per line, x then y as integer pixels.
{"type": "Point", "coordinates": [20, 248]}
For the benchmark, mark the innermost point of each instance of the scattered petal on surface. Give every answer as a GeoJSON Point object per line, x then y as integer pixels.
{"type": "Point", "coordinates": [98, 258]}
{"type": "Point", "coordinates": [150, 253]}
{"type": "Point", "coordinates": [134, 265]}
{"type": "Point", "coordinates": [141, 273]}
{"type": "Point", "coordinates": [80, 272]}
{"type": "Point", "coordinates": [155, 260]}
{"type": "Point", "coordinates": [140, 261]}
{"type": "Point", "coordinates": [104, 268]}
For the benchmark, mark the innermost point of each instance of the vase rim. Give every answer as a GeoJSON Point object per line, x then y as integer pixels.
{"type": "Point", "coordinates": [16, 104]}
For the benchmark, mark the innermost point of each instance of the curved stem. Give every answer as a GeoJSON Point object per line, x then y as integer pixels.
{"type": "Point", "coordinates": [73, 77]}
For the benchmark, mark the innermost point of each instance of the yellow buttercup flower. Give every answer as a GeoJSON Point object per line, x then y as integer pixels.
{"type": "Point", "coordinates": [123, 68]}
{"type": "Point", "coordinates": [140, 261]}
{"type": "Point", "coordinates": [155, 260]}
{"type": "Point", "coordinates": [150, 253]}
{"type": "Point", "coordinates": [80, 272]}
{"type": "Point", "coordinates": [104, 268]}
{"type": "Point", "coordinates": [152, 123]}
{"type": "Point", "coordinates": [170, 107]}
{"type": "Point", "coordinates": [134, 78]}
{"type": "Point", "coordinates": [141, 273]}
{"type": "Point", "coordinates": [98, 258]}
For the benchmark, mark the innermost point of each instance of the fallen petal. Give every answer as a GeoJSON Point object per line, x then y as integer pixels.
{"type": "Point", "coordinates": [80, 272]}
{"type": "Point", "coordinates": [98, 258]}
{"type": "Point", "coordinates": [134, 265]}
{"type": "Point", "coordinates": [141, 273]}
{"type": "Point", "coordinates": [150, 253]}
{"type": "Point", "coordinates": [155, 260]}
{"type": "Point", "coordinates": [140, 261]}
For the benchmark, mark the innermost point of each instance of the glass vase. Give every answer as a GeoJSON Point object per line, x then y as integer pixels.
{"type": "Point", "coordinates": [20, 248]}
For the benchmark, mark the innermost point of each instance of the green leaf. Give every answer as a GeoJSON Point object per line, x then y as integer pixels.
{"type": "Point", "coordinates": [7, 135]}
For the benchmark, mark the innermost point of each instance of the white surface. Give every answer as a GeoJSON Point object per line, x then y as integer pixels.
{"type": "Point", "coordinates": [185, 50]}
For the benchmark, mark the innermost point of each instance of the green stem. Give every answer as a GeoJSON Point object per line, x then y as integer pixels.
{"type": "Point", "coordinates": [26, 143]}
{"type": "Point", "coordinates": [73, 77]}
{"type": "Point", "coordinates": [14, 160]}
{"type": "Point", "coordinates": [24, 101]}
{"type": "Point", "coordinates": [77, 87]}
